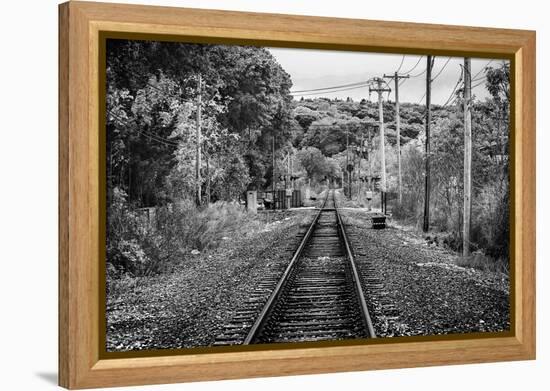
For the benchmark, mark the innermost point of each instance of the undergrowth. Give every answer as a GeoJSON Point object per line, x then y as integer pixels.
{"type": "Point", "coordinates": [478, 260]}
{"type": "Point", "coordinates": [141, 246]}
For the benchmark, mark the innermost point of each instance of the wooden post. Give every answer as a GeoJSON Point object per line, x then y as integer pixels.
{"type": "Point", "coordinates": [291, 173]}
{"type": "Point", "coordinates": [382, 138]}
{"type": "Point", "coordinates": [273, 167]}
{"type": "Point", "coordinates": [129, 171]}
{"type": "Point", "coordinates": [198, 146]}
{"type": "Point", "coordinates": [380, 91]}
{"type": "Point", "coordinates": [347, 164]}
{"type": "Point", "coordinates": [370, 152]}
{"type": "Point", "coordinates": [467, 158]}
{"type": "Point", "coordinates": [288, 181]}
{"type": "Point", "coordinates": [426, 225]}
{"type": "Point", "coordinates": [208, 183]}
{"type": "Point", "coordinates": [359, 173]}
{"type": "Point", "coordinates": [398, 131]}
{"type": "Point", "coordinates": [396, 78]}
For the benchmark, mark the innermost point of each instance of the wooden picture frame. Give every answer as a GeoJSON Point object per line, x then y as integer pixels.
{"type": "Point", "coordinates": [81, 364]}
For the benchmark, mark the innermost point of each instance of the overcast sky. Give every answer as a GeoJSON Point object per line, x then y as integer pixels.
{"type": "Point", "coordinates": [312, 69]}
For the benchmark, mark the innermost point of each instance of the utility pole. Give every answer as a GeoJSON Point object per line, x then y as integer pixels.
{"type": "Point", "coordinates": [198, 147]}
{"type": "Point", "coordinates": [347, 164]}
{"type": "Point", "coordinates": [370, 153]}
{"type": "Point", "coordinates": [429, 65]}
{"type": "Point", "coordinates": [208, 181]}
{"type": "Point", "coordinates": [273, 167]}
{"type": "Point", "coordinates": [380, 91]}
{"type": "Point", "coordinates": [129, 171]}
{"type": "Point", "coordinates": [360, 157]}
{"type": "Point", "coordinates": [291, 172]}
{"type": "Point", "coordinates": [396, 78]}
{"type": "Point", "coordinates": [467, 157]}
{"type": "Point", "coordinates": [355, 150]}
{"type": "Point", "coordinates": [288, 170]}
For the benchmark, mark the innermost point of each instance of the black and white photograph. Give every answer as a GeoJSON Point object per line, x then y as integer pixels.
{"type": "Point", "coordinates": [269, 195]}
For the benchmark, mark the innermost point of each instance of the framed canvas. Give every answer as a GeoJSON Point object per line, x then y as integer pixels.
{"type": "Point", "coordinates": [246, 195]}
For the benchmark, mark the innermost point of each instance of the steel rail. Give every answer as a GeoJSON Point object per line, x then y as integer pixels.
{"type": "Point", "coordinates": [367, 321]}
{"type": "Point", "coordinates": [279, 288]}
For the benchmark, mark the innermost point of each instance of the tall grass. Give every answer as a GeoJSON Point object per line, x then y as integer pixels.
{"type": "Point", "coordinates": [478, 260]}
{"type": "Point", "coordinates": [140, 247]}
{"type": "Point", "coordinates": [489, 236]}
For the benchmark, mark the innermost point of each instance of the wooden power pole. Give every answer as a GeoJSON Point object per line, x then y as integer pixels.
{"type": "Point", "coordinates": [288, 182]}
{"type": "Point", "coordinates": [429, 64]}
{"type": "Point", "coordinates": [467, 158]}
{"type": "Point", "coordinates": [380, 91]}
{"type": "Point", "coordinates": [198, 146]}
{"type": "Point", "coordinates": [273, 167]}
{"type": "Point", "coordinates": [347, 165]}
{"type": "Point", "coordinates": [369, 158]}
{"type": "Point", "coordinates": [396, 78]}
{"type": "Point", "coordinates": [208, 181]}
{"type": "Point", "coordinates": [361, 154]}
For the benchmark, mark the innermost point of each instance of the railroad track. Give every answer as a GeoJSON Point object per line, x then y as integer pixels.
{"type": "Point", "coordinates": [319, 296]}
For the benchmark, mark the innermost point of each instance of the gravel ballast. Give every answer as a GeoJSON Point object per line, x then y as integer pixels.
{"type": "Point", "coordinates": [188, 308]}
{"type": "Point", "coordinates": [418, 288]}
{"type": "Point", "coordinates": [412, 287]}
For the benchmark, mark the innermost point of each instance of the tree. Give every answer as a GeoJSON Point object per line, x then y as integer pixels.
{"type": "Point", "coordinates": [316, 165]}
{"type": "Point", "coordinates": [305, 116]}
{"type": "Point", "coordinates": [151, 105]}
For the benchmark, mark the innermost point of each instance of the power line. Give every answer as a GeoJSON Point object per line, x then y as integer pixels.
{"type": "Point", "coordinates": [456, 87]}
{"type": "Point", "coordinates": [452, 102]}
{"type": "Point", "coordinates": [422, 97]}
{"type": "Point", "coordinates": [478, 84]}
{"type": "Point", "coordinates": [480, 78]}
{"type": "Point", "coordinates": [482, 69]}
{"type": "Point", "coordinates": [330, 88]}
{"type": "Point", "coordinates": [400, 65]}
{"type": "Point", "coordinates": [441, 70]}
{"type": "Point", "coordinates": [348, 125]}
{"type": "Point", "coordinates": [420, 74]}
{"type": "Point", "coordinates": [452, 98]}
{"type": "Point", "coordinates": [332, 91]}
{"type": "Point", "coordinates": [157, 138]}
{"type": "Point", "coordinates": [415, 65]}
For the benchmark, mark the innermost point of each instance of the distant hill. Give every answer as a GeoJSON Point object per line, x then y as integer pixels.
{"type": "Point", "coordinates": [323, 123]}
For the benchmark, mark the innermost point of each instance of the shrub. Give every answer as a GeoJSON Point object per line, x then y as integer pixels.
{"type": "Point", "coordinates": [491, 212]}
{"type": "Point", "coordinates": [478, 260]}
{"type": "Point", "coordinates": [408, 211]}
{"type": "Point", "coordinates": [124, 252]}
{"type": "Point", "coordinates": [142, 246]}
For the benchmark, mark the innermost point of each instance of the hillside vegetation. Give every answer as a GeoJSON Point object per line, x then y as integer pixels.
{"type": "Point", "coordinates": [247, 110]}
